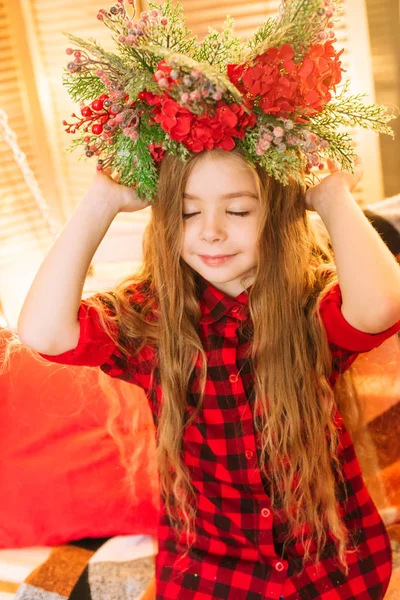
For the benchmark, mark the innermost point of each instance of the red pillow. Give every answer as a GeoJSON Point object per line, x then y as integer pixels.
{"type": "Point", "coordinates": [61, 474]}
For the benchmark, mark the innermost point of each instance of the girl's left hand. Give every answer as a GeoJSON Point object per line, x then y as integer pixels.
{"type": "Point", "coordinates": [331, 185]}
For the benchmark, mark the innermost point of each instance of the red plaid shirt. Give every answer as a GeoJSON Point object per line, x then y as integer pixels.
{"type": "Point", "coordinates": [239, 536]}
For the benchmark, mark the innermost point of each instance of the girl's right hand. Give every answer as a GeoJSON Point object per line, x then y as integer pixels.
{"type": "Point", "coordinates": [105, 183]}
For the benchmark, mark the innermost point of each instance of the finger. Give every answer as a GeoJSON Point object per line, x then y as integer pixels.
{"type": "Point", "coordinates": [115, 175]}
{"type": "Point", "coordinates": [358, 164]}
{"type": "Point", "coordinates": [332, 166]}
{"type": "Point", "coordinates": [111, 174]}
{"type": "Point", "coordinates": [359, 167]}
{"type": "Point", "coordinates": [107, 172]}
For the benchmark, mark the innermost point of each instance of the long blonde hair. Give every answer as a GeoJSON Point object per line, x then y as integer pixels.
{"type": "Point", "coordinates": [290, 355]}
{"type": "Point", "coordinates": [294, 403]}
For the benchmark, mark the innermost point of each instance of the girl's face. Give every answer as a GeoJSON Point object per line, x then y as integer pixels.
{"type": "Point", "coordinates": [221, 213]}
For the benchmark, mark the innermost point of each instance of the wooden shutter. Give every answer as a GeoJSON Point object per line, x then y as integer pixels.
{"type": "Point", "coordinates": [31, 93]}
{"type": "Point", "coordinates": [384, 27]}
{"type": "Point", "coordinates": [24, 234]}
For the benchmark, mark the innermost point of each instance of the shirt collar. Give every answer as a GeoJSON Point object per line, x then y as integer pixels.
{"type": "Point", "coordinates": [215, 304]}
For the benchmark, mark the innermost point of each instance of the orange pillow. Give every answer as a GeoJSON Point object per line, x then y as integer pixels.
{"type": "Point", "coordinates": [61, 473]}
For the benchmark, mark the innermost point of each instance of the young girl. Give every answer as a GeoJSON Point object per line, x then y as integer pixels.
{"type": "Point", "coordinates": [238, 324]}
{"type": "Point", "coordinates": [261, 473]}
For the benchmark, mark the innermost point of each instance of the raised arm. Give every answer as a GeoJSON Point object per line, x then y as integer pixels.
{"type": "Point", "coordinates": [369, 275]}
{"type": "Point", "coordinates": [48, 320]}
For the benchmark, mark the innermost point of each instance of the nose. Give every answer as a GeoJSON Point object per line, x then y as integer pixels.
{"type": "Point", "coordinates": [212, 228]}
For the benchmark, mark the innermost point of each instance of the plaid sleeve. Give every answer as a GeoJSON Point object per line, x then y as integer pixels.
{"type": "Point", "coordinates": [94, 345]}
{"type": "Point", "coordinates": [341, 334]}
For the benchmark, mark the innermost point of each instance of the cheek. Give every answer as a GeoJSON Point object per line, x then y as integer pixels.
{"type": "Point", "coordinates": [247, 231]}
{"type": "Point", "coordinates": [186, 239]}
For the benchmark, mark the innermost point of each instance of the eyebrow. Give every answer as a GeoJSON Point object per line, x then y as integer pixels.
{"type": "Point", "coordinates": [225, 196]}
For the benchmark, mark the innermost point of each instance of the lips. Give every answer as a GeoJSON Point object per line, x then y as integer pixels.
{"type": "Point", "coordinates": [216, 256]}
{"type": "Point", "coordinates": [216, 260]}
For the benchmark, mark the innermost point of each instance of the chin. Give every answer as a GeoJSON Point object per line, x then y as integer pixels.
{"type": "Point", "coordinates": [217, 273]}
{"type": "Point", "coordinates": [217, 277]}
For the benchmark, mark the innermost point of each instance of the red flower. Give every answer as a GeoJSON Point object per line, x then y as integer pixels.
{"type": "Point", "coordinates": [235, 73]}
{"type": "Point", "coordinates": [174, 119]}
{"type": "Point", "coordinates": [150, 98]}
{"type": "Point", "coordinates": [246, 120]}
{"type": "Point", "coordinates": [211, 130]}
{"type": "Point", "coordinates": [157, 152]}
{"type": "Point", "coordinates": [319, 73]}
{"type": "Point", "coordinates": [282, 87]}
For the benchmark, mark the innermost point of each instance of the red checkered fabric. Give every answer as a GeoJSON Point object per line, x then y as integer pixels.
{"type": "Point", "coordinates": [239, 536]}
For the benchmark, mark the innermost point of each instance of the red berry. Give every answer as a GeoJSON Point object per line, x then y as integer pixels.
{"type": "Point", "coordinates": [99, 167]}
{"type": "Point", "coordinates": [86, 139]}
{"type": "Point", "coordinates": [104, 119]}
{"type": "Point", "coordinates": [97, 129]}
{"type": "Point", "coordinates": [69, 51]}
{"type": "Point", "coordinates": [103, 97]}
{"type": "Point", "coordinates": [97, 105]}
{"type": "Point", "coordinates": [77, 53]}
{"type": "Point", "coordinates": [86, 112]}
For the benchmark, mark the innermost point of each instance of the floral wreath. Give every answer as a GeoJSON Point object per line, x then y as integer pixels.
{"type": "Point", "coordinates": [274, 96]}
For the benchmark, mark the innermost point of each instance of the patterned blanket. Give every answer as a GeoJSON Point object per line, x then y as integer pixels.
{"type": "Point", "coordinates": [121, 568]}
{"type": "Point", "coordinates": [118, 568]}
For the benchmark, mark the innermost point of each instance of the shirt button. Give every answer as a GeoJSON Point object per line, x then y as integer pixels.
{"type": "Point", "coordinates": [233, 378]}
{"type": "Point", "coordinates": [235, 309]}
{"type": "Point", "coordinates": [279, 566]}
{"type": "Point", "coordinates": [265, 513]}
{"type": "Point", "coordinates": [249, 454]}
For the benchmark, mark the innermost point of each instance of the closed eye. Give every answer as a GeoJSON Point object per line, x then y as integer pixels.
{"type": "Point", "coordinates": [238, 214]}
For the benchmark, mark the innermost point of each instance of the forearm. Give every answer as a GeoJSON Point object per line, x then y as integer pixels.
{"type": "Point", "coordinates": [369, 275]}
{"type": "Point", "coordinates": [48, 319]}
